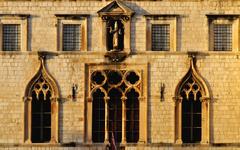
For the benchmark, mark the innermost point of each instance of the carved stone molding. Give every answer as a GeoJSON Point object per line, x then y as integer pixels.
{"type": "Point", "coordinates": [115, 56]}
{"type": "Point", "coordinates": [193, 83]}
{"type": "Point", "coordinates": [107, 79]}
{"type": "Point", "coordinates": [43, 83]}
{"type": "Point", "coordinates": [116, 29]}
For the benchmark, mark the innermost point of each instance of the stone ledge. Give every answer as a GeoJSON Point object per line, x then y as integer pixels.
{"type": "Point", "coordinates": [75, 144]}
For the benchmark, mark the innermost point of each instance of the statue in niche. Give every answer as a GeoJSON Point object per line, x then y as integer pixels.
{"type": "Point", "coordinates": [115, 37]}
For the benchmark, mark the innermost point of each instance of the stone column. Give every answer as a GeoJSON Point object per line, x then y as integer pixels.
{"type": "Point", "coordinates": [89, 120]}
{"type": "Point", "coordinates": [123, 119]}
{"type": "Point", "coordinates": [142, 120]}
{"type": "Point", "coordinates": [106, 135]}
{"type": "Point", "coordinates": [178, 125]}
{"type": "Point", "coordinates": [54, 120]}
{"type": "Point", "coordinates": [104, 33]}
{"type": "Point", "coordinates": [28, 119]}
{"type": "Point", "coordinates": [205, 121]}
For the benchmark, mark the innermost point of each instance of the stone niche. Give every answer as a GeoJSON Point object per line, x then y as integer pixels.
{"type": "Point", "coordinates": [116, 21]}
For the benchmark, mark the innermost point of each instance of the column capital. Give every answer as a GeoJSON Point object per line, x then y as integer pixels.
{"type": "Point", "coordinates": [55, 99]}
{"type": "Point", "coordinates": [123, 98]}
{"type": "Point", "coordinates": [205, 99]}
{"type": "Point", "coordinates": [89, 99]}
{"type": "Point", "coordinates": [25, 99]}
{"type": "Point", "coordinates": [141, 98]}
{"type": "Point", "coordinates": [106, 99]}
{"type": "Point", "coordinates": [177, 99]}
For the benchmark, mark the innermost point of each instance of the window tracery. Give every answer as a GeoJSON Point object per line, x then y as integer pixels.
{"type": "Point", "coordinates": [121, 93]}
{"type": "Point", "coordinates": [41, 107]}
{"type": "Point", "coordinates": [192, 107]}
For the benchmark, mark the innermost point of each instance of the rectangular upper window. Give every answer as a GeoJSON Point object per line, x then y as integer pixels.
{"type": "Point", "coordinates": [222, 37]}
{"type": "Point", "coordinates": [223, 32]}
{"type": "Point", "coordinates": [72, 37]}
{"type": "Point", "coordinates": [11, 36]}
{"type": "Point", "coordinates": [160, 37]}
{"type": "Point", "coordinates": [14, 32]}
{"type": "Point", "coordinates": [161, 34]}
{"type": "Point", "coordinates": [72, 32]}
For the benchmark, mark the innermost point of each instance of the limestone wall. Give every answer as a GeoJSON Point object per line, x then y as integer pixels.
{"type": "Point", "coordinates": [220, 69]}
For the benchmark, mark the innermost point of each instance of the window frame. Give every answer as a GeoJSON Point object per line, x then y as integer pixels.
{"type": "Point", "coordinates": [161, 35]}
{"type": "Point", "coordinates": [155, 19]}
{"type": "Point", "coordinates": [142, 72]}
{"type": "Point", "coordinates": [205, 100]}
{"type": "Point", "coordinates": [21, 20]}
{"type": "Point", "coordinates": [72, 20]}
{"type": "Point", "coordinates": [224, 20]}
{"type": "Point", "coordinates": [27, 99]}
{"type": "Point", "coordinates": [80, 36]}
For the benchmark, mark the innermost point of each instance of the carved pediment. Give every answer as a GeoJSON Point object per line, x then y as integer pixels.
{"type": "Point", "coordinates": [116, 8]}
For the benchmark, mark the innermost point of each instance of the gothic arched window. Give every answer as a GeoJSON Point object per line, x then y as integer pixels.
{"type": "Point", "coordinates": [192, 108]}
{"type": "Point", "coordinates": [41, 108]}
{"type": "Point", "coordinates": [115, 106]}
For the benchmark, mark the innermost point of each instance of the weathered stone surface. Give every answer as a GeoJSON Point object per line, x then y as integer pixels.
{"type": "Point", "coordinates": [220, 69]}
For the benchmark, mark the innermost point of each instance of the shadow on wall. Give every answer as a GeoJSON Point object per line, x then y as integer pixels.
{"type": "Point", "coordinates": [139, 12]}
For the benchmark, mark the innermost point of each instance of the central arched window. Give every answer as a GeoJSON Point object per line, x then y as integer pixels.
{"type": "Point", "coordinates": [115, 106]}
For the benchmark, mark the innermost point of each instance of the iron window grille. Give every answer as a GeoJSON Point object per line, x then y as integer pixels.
{"type": "Point", "coordinates": [160, 37]}
{"type": "Point", "coordinates": [71, 37]}
{"type": "Point", "coordinates": [222, 37]}
{"type": "Point", "coordinates": [11, 37]}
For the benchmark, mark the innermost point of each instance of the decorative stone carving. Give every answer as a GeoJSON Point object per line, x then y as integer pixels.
{"type": "Point", "coordinates": [194, 83]}
{"type": "Point", "coordinates": [42, 82]}
{"type": "Point", "coordinates": [116, 30]}
{"type": "Point", "coordinates": [116, 83]}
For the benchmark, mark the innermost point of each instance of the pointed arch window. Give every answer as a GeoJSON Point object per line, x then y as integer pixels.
{"type": "Point", "coordinates": [192, 108]}
{"type": "Point", "coordinates": [41, 108]}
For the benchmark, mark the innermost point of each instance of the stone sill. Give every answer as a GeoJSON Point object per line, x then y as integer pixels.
{"type": "Point", "coordinates": [201, 53]}
{"type": "Point", "coordinates": [73, 144]}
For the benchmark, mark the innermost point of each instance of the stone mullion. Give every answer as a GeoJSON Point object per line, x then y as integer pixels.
{"type": "Point", "coordinates": [106, 135]}
{"type": "Point", "coordinates": [123, 99]}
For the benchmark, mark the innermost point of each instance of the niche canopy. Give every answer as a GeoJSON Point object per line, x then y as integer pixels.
{"type": "Point", "coordinates": [116, 20]}
{"type": "Point", "coordinates": [116, 8]}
